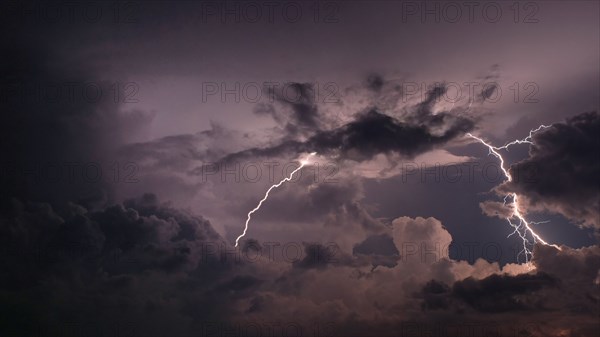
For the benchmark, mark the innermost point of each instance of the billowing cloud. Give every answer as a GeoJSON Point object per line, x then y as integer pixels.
{"type": "Point", "coordinates": [153, 256]}
{"type": "Point", "coordinates": [161, 270]}
{"type": "Point", "coordinates": [562, 173]}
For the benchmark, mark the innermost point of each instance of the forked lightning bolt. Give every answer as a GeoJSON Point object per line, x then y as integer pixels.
{"type": "Point", "coordinates": [303, 163]}
{"type": "Point", "coordinates": [522, 227]}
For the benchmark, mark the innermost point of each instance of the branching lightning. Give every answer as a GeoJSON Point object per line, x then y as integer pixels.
{"type": "Point", "coordinates": [522, 226]}
{"type": "Point", "coordinates": [303, 163]}
{"type": "Point", "coordinates": [516, 220]}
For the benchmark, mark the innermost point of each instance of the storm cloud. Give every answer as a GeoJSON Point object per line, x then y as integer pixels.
{"type": "Point", "coordinates": [564, 170]}
{"type": "Point", "coordinates": [374, 132]}
{"type": "Point", "coordinates": [110, 223]}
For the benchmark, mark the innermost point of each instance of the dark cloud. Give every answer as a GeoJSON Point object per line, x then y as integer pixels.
{"type": "Point", "coordinates": [145, 263]}
{"type": "Point", "coordinates": [570, 264]}
{"type": "Point", "coordinates": [380, 248]}
{"type": "Point", "coordinates": [488, 92]}
{"type": "Point", "coordinates": [316, 256]}
{"type": "Point", "coordinates": [560, 289]}
{"type": "Point", "coordinates": [59, 125]}
{"type": "Point", "coordinates": [76, 260]}
{"type": "Point", "coordinates": [300, 99]}
{"type": "Point", "coordinates": [375, 82]}
{"type": "Point", "coordinates": [435, 295]}
{"type": "Point", "coordinates": [499, 293]}
{"type": "Point", "coordinates": [238, 284]}
{"type": "Point", "coordinates": [117, 256]}
{"type": "Point", "coordinates": [564, 170]}
{"type": "Point", "coordinates": [558, 295]}
{"type": "Point", "coordinates": [374, 132]}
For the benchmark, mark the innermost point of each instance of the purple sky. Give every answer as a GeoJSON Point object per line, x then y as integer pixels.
{"type": "Point", "coordinates": [398, 218]}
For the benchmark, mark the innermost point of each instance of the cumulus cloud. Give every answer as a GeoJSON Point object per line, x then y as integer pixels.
{"type": "Point", "coordinates": [149, 267]}
{"type": "Point", "coordinates": [444, 291]}
{"type": "Point", "coordinates": [558, 297]}
{"type": "Point", "coordinates": [166, 271]}
{"type": "Point", "coordinates": [77, 259]}
{"type": "Point", "coordinates": [124, 257]}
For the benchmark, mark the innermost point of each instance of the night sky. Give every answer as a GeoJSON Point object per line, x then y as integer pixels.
{"type": "Point", "coordinates": [453, 187]}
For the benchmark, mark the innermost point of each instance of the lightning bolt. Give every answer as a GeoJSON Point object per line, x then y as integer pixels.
{"type": "Point", "coordinates": [303, 163]}
{"type": "Point", "coordinates": [522, 226]}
